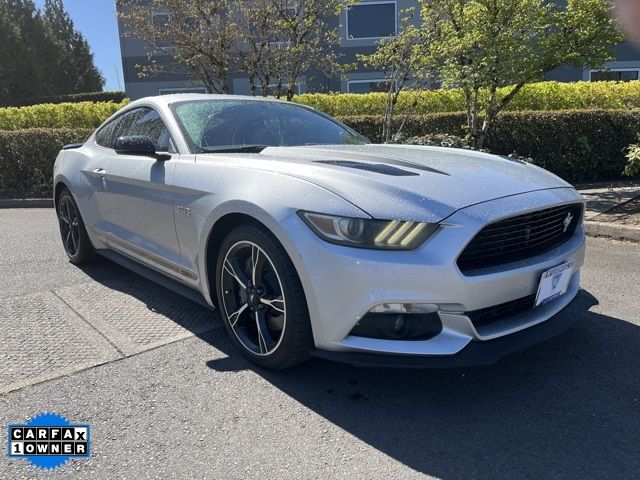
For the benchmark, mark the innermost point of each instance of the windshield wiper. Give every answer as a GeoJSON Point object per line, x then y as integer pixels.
{"type": "Point", "coordinates": [236, 149]}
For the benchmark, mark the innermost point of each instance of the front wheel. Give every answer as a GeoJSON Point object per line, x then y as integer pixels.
{"type": "Point", "coordinates": [74, 235]}
{"type": "Point", "coordinates": [261, 299]}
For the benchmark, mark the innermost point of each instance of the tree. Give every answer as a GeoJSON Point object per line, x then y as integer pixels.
{"type": "Point", "coordinates": [9, 39]}
{"type": "Point", "coordinates": [402, 59]}
{"type": "Point", "coordinates": [482, 45]}
{"type": "Point", "coordinates": [88, 77]}
{"type": "Point", "coordinates": [200, 35]}
{"type": "Point", "coordinates": [261, 50]}
{"type": "Point", "coordinates": [33, 59]}
{"type": "Point", "coordinates": [271, 41]}
{"type": "Point", "coordinates": [71, 55]}
{"type": "Point", "coordinates": [311, 43]}
{"type": "Point", "coordinates": [25, 53]}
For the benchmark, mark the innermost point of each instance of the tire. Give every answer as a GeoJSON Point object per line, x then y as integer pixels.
{"type": "Point", "coordinates": [74, 236]}
{"type": "Point", "coordinates": [273, 329]}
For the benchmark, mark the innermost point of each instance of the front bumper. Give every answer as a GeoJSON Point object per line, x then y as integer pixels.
{"type": "Point", "coordinates": [342, 284]}
{"type": "Point", "coordinates": [477, 353]}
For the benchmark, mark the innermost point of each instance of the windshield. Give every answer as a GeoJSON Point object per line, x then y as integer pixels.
{"type": "Point", "coordinates": [249, 125]}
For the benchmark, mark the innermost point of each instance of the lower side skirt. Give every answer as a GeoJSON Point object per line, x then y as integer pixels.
{"type": "Point", "coordinates": [155, 277]}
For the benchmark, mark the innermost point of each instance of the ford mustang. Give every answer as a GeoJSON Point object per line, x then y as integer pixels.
{"type": "Point", "coordinates": [310, 240]}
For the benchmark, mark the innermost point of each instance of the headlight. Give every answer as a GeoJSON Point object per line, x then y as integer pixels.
{"type": "Point", "coordinates": [367, 233]}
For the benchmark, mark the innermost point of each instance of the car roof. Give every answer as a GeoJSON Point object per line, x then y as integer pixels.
{"type": "Point", "coordinates": [166, 100]}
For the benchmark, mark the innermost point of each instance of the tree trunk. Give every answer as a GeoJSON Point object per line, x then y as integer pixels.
{"type": "Point", "coordinates": [205, 78]}
{"type": "Point", "coordinates": [482, 136]}
{"type": "Point", "coordinates": [472, 116]}
{"type": "Point", "coordinates": [252, 84]}
{"type": "Point", "coordinates": [467, 103]}
{"type": "Point", "coordinates": [493, 109]}
{"type": "Point", "coordinates": [488, 116]}
{"type": "Point", "coordinates": [264, 83]}
{"type": "Point", "coordinates": [387, 124]}
{"type": "Point", "coordinates": [291, 89]}
{"type": "Point", "coordinates": [224, 86]}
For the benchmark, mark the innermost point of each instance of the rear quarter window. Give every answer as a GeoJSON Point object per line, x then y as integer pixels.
{"type": "Point", "coordinates": [104, 136]}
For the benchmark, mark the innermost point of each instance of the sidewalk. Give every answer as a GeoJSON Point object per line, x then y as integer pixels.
{"type": "Point", "coordinates": [601, 200]}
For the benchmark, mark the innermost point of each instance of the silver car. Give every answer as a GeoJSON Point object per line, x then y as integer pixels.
{"type": "Point", "coordinates": [312, 241]}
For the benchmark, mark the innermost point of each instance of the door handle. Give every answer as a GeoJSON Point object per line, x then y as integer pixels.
{"type": "Point", "coordinates": [100, 172]}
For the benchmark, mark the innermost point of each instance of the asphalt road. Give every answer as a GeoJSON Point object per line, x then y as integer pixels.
{"type": "Point", "coordinates": [569, 408]}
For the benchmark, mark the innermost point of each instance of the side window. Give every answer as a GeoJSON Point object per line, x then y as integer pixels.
{"type": "Point", "coordinates": [123, 127]}
{"type": "Point", "coordinates": [147, 122]}
{"type": "Point", "coordinates": [105, 137]}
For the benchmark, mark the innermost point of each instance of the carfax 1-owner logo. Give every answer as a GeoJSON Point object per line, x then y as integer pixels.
{"type": "Point", "coordinates": [49, 440]}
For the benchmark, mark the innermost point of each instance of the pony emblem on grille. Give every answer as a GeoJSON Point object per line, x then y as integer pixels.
{"type": "Point", "coordinates": [567, 221]}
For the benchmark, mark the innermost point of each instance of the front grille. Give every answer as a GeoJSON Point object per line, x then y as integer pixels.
{"type": "Point", "coordinates": [486, 316]}
{"type": "Point", "coordinates": [520, 237]}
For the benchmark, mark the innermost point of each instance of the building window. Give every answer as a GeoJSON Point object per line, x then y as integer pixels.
{"type": "Point", "coordinates": [367, 86]}
{"type": "Point", "coordinates": [161, 21]}
{"type": "Point", "coordinates": [372, 20]}
{"type": "Point", "coordinates": [299, 86]}
{"type": "Point", "coordinates": [169, 91]}
{"type": "Point", "coordinates": [616, 75]}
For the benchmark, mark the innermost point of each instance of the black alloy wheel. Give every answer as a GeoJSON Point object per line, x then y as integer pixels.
{"type": "Point", "coordinates": [72, 230]}
{"type": "Point", "coordinates": [261, 299]}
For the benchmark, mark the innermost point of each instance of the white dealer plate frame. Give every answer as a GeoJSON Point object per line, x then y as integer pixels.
{"type": "Point", "coordinates": [554, 282]}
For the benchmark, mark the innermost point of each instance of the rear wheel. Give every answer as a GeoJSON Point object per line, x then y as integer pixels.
{"type": "Point", "coordinates": [261, 299]}
{"type": "Point", "coordinates": [74, 235]}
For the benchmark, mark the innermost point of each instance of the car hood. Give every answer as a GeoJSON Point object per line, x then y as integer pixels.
{"type": "Point", "coordinates": [407, 182]}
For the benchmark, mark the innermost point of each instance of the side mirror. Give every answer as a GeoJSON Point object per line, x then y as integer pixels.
{"type": "Point", "coordinates": [135, 145]}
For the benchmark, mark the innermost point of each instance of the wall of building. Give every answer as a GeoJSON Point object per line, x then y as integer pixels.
{"type": "Point", "coordinates": [361, 29]}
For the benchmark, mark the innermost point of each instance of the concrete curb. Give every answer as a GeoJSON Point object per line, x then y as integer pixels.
{"type": "Point", "coordinates": [609, 230]}
{"type": "Point", "coordinates": [26, 202]}
{"type": "Point", "coordinates": [611, 184]}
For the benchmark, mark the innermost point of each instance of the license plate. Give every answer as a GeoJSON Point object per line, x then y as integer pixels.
{"type": "Point", "coordinates": [554, 282]}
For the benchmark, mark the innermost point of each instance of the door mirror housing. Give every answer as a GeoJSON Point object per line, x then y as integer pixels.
{"type": "Point", "coordinates": [135, 145]}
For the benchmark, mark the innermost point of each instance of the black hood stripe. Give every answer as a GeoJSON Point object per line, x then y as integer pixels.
{"type": "Point", "coordinates": [382, 168]}
{"type": "Point", "coordinates": [367, 157]}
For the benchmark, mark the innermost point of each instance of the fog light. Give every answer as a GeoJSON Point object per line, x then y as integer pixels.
{"type": "Point", "coordinates": [400, 323]}
{"type": "Point", "coordinates": [402, 326]}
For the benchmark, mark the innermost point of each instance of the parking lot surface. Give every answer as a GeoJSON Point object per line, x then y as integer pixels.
{"type": "Point", "coordinates": [167, 396]}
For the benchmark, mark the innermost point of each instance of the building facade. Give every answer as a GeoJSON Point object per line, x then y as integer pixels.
{"type": "Point", "coordinates": [361, 28]}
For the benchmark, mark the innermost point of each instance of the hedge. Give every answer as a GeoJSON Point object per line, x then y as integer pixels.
{"type": "Point", "coordinates": [580, 146]}
{"type": "Point", "coordinates": [27, 156]}
{"type": "Point", "coordinates": [116, 97]}
{"type": "Point", "coordinates": [63, 115]}
{"type": "Point", "coordinates": [577, 145]}
{"type": "Point", "coordinates": [544, 96]}
{"type": "Point", "coordinates": [536, 96]}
